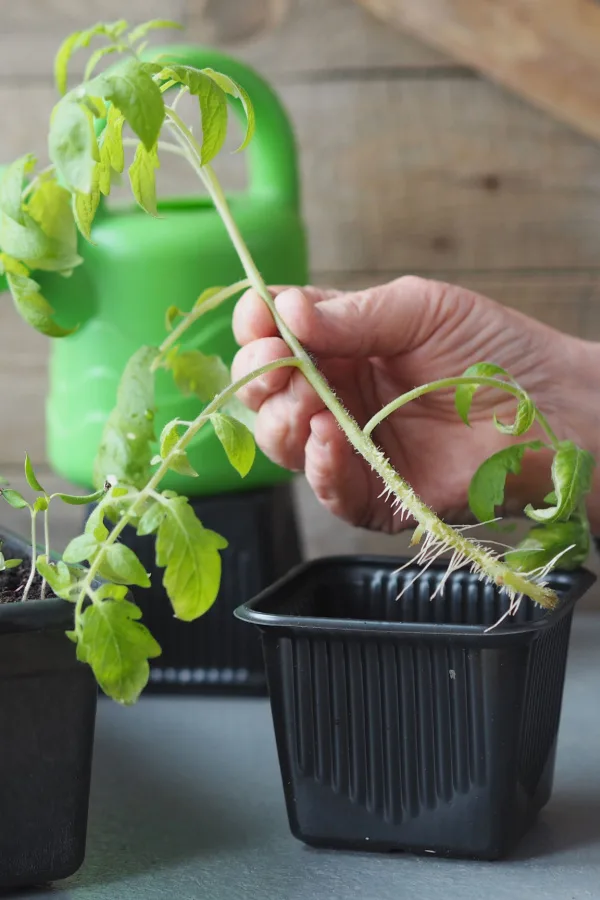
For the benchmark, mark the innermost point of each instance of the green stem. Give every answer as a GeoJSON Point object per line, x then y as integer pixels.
{"type": "Point", "coordinates": [482, 380]}
{"type": "Point", "coordinates": [148, 490]}
{"type": "Point", "coordinates": [33, 514]}
{"type": "Point", "coordinates": [195, 314]}
{"type": "Point", "coordinates": [493, 568]}
{"type": "Point", "coordinates": [46, 543]}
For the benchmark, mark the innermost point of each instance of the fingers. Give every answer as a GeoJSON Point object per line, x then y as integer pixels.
{"type": "Point", "coordinates": [381, 321]}
{"type": "Point", "coordinates": [337, 475]}
{"type": "Point", "coordinates": [252, 319]}
{"type": "Point", "coordinates": [254, 356]}
{"type": "Point", "coordinates": [283, 424]}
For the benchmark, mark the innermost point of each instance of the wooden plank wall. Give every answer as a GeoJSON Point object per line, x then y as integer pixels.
{"type": "Point", "coordinates": [410, 163]}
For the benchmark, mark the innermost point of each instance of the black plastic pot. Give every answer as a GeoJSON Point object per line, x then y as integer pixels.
{"type": "Point", "coordinates": [216, 653]}
{"type": "Point", "coordinates": [47, 716]}
{"type": "Point", "coordinates": [403, 724]}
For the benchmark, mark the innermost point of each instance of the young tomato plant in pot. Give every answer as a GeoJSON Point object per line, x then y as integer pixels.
{"type": "Point", "coordinates": [87, 152]}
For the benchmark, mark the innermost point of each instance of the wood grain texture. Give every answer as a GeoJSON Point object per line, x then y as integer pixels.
{"type": "Point", "coordinates": [413, 175]}
{"type": "Point", "coordinates": [31, 32]}
{"type": "Point", "coordinates": [279, 37]}
{"type": "Point", "coordinates": [545, 52]}
{"type": "Point", "coordinates": [432, 174]}
{"type": "Point", "coordinates": [296, 39]}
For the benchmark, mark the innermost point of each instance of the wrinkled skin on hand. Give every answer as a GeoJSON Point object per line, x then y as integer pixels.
{"type": "Point", "coordinates": [374, 345]}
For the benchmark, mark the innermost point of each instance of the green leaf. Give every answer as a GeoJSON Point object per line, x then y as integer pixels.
{"type": "Point", "coordinates": [50, 206]}
{"type": "Point", "coordinates": [64, 580]}
{"type": "Point", "coordinates": [178, 461]}
{"type": "Point", "coordinates": [112, 592]}
{"type": "Point", "coordinates": [10, 564]}
{"type": "Point", "coordinates": [238, 410]}
{"type": "Point", "coordinates": [169, 438]}
{"type": "Point", "coordinates": [524, 418]}
{"type": "Point", "coordinates": [31, 477]}
{"type": "Point", "coordinates": [26, 242]}
{"type": "Point", "coordinates": [97, 56]}
{"type": "Point", "coordinates": [61, 62]}
{"type": "Point", "coordinates": [545, 542]}
{"type": "Point", "coordinates": [72, 144]}
{"type": "Point", "coordinates": [465, 392]}
{"type": "Point", "coordinates": [85, 205]}
{"type": "Point", "coordinates": [40, 504]}
{"type": "Point", "coordinates": [196, 373]}
{"type": "Point", "coordinates": [14, 498]}
{"type": "Point", "coordinates": [140, 31]}
{"type": "Point", "coordinates": [572, 471]}
{"type": "Point", "coordinates": [213, 106]}
{"type": "Point", "coordinates": [121, 566]}
{"type": "Point", "coordinates": [486, 490]}
{"type": "Point", "coordinates": [189, 553]}
{"type": "Point", "coordinates": [117, 647]}
{"type": "Point", "coordinates": [84, 546]}
{"type": "Point", "coordinates": [111, 30]}
{"type": "Point", "coordinates": [95, 525]}
{"type": "Point", "coordinates": [143, 179]}
{"type": "Point", "coordinates": [11, 186]}
{"type": "Point", "coordinates": [237, 441]}
{"type": "Point", "coordinates": [81, 499]}
{"type": "Point", "coordinates": [131, 89]}
{"type": "Point", "coordinates": [171, 314]}
{"type": "Point", "coordinates": [207, 295]}
{"type": "Point", "coordinates": [151, 519]}
{"type": "Point", "coordinates": [111, 141]}
{"type": "Point", "coordinates": [234, 89]}
{"type": "Point", "coordinates": [79, 39]}
{"type": "Point", "coordinates": [126, 446]}
{"type": "Point", "coordinates": [34, 308]}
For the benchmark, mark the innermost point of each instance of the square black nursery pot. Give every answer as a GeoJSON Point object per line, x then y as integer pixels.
{"type": "Point", "coordinates": [47, 716]}
{"type": "Point", "coordinates": [402, 723]}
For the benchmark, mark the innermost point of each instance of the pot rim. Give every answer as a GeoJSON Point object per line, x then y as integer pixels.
{"type": "Point", "coordinates": [33, 615]}
{"type": "Point", "coordinates": [261, 610]}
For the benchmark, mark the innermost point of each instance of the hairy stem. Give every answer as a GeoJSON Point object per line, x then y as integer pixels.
{"type": "Point", "coordinates": [148, 490]}
{"type": "Point", "coordinates": [498, 572]}
{"type": "Point", "coordinates": [482, 380]}
{"type": "Point", "coordinates": [33, 514]}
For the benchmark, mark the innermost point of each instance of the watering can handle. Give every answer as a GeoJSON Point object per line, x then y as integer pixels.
{"type": "Point", "coordinates": [272, 151]}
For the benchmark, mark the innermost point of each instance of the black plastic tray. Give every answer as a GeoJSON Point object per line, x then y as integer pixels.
{"type": "Point", "coordinates": [404, 724]}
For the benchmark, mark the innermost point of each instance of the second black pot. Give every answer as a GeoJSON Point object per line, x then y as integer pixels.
{"type": "Point", "coordinates": [47, 716]}
{"type": "Point", "coordinates": [403, 723]}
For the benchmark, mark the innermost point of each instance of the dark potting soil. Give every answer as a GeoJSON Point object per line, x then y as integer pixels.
{"type": "Point", "coordinates": [13, 581]}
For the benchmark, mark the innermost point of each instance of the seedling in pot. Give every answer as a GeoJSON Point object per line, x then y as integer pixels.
{"type": "Point", "coordinates": [38, 225]}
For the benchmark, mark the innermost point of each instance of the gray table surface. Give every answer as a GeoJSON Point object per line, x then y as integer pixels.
{"type": "Point", "coordinates": [187, 805]}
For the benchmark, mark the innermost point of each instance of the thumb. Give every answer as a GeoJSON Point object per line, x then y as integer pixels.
{"type": "Point", "coordinates": [381, 321]}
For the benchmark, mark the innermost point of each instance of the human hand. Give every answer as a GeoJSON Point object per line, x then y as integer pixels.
{"type": "Point", "coordinates": [374, 345]}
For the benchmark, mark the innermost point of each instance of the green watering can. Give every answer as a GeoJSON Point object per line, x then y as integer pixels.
{"type": "Point", "coordinates": [138, 266]}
